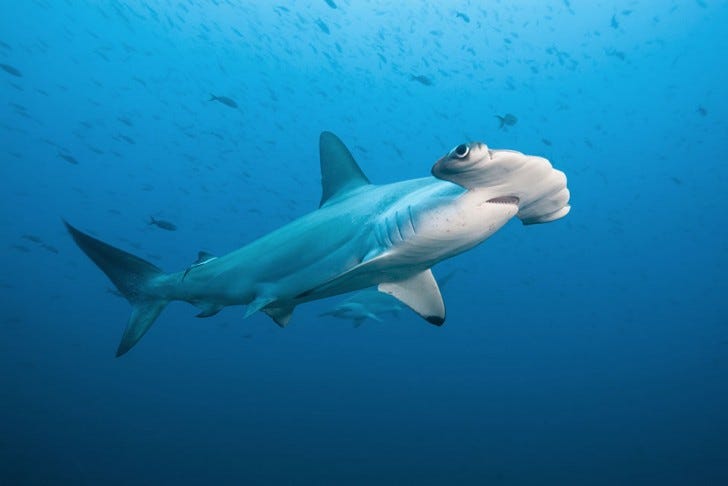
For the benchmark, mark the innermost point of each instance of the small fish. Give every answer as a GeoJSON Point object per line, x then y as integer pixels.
{"type": "Point", "coordinates": [160, 223]}
{"type": "Point", "coordinates": [11, 70]}
{"type": "Point", "coordinates": [322, 25]}
{"type": "Point", "coordinates": [702, 111]}
{"type": "Point", "coordinates": [464, 16]}
{"type": "Point", "coordinates": [614, 24]}
{"type": "Point", "coordinates": [330, 3]}
{"type": "Point", "coordinates": [224, 100]}
{"type": "Point", "coordinates": [618, 54]}
{"type": "Point", "coordinates": [546, 141]}
{"type": "Point", "coordinates": [507, 120]}
{"type": "Point", "coordinates": [50, 248]}
{"type": "Point", "coordinates": [421, 79]}
{"type": "Point", "coordinates": [33, 238]}
{"type": "Point", "coordinates": [68, 158]}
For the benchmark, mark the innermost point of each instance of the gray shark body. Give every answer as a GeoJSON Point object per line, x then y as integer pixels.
{"type": "Point", "coordinates": [362, 235]}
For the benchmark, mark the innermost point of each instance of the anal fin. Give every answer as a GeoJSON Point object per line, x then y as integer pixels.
{"type": "Point", "coordinates": [420, 293]}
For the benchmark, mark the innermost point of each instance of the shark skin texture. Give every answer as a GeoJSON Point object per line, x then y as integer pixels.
{"type": "Point", "coordinates": [362, 235]}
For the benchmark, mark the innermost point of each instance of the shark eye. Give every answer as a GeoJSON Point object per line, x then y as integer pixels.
{"type": "Point", "coordinates": [461, 151]}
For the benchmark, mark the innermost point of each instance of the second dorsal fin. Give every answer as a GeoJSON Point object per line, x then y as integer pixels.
{"type": "Point", "coordinates": [339, 171]}
{"type": "Point", "coordinates": [204, 257]}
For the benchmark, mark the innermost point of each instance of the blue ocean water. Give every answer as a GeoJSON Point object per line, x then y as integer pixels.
{"type": "Point", "coordinates": [591, 350]}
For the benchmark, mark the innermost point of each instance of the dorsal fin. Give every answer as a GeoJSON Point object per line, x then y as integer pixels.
{"type": "Point", "coordinates": [204, 257]}
{"type": "Point", "coordinates": [339, 171]}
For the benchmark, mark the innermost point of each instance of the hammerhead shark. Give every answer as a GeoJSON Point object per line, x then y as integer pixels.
{"type": "Point", "coordinates": [372, 304]}
{"type": "Point", "coordinates": [366, 304]}
{"type": "Point", "coordinates": [362, 235]}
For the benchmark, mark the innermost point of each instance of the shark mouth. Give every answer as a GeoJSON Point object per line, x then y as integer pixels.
{"type": "Point", "coordinates": [504, 200]}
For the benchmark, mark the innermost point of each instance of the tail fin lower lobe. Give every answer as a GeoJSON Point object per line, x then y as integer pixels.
{"type": "Point", "coordinates": [133, 277]}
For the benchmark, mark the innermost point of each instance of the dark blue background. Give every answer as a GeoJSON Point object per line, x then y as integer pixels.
{"type": "Point", "coordinates": [593, 350]}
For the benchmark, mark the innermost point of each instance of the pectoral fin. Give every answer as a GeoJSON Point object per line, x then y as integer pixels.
{"type": "Point", "coordinates": [280, 315]}
{"type": "Point", "coordinates": [373, 317]}
{"type": "Point", "coordinates": [421, 294]}
{"type": "Point", "coordinates": [209, 310]}
{"type": "Point", "coordinates": [257, 305]}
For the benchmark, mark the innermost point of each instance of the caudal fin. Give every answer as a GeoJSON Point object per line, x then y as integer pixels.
{"type": "Point", "coordinates": [133, 277]}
